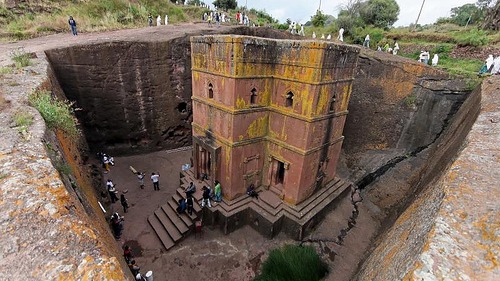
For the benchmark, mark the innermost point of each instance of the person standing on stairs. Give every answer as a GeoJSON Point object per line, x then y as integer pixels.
{"type": "Point", "coordinates": [206, 197]}
{"type": "Point", "coordinates": [189, 203]}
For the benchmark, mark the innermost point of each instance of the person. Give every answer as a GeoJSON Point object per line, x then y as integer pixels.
{"type": "Point", "coordinates": [72, 24]}
{"type": "Point", "coordinates": [379, 49]}
{"type": "Point", "coordinates": [105, 160]}
{"type": "Point", "coordinates": [117, 225]}
{"type": "Point", "coordinates": [206, 197]}
{"type": "Point", "coordinates": [155, 178]}
{"type": "Point", "coordinates": [127, 254]}
{"type": "Point", "coordinates": [190, 189]}
{"type": "Point", "coordinates": [112, 191]}
{"type": "Point", "coordinates": [329, 37]}
{"type": "Point", "coordinates": [217, 20]}
{"type": "Point", "coordinates": [386, 47]}
{"type": "Point", "coordinates": [166, 19]}
{"type": "Point", "coordinates": [341, 34]}
{"type": "Point", "coordinates": [435, 60]}
{"type": "Point", "coordinates": [322, 36]}
{"type": "Point", "coordinates": [189, 203]}
{"type": "Point", "coordinates": [366, 43]}
{"type": "Point", "coordinates": [124, 203]}
{"type": "Point", "coordinates": [140, 177]}
{"type": "Point", "coordinates": [218, 192]}
{"type": "Point", "coordinates": [314, 35]}
{"type": "Point", "coordinates": [182, 206]}
{"type": "Point", "coordinates": [251, 191]}
{"type": "Point", "coordinates": [158, 20]}
{"type": "Point", "coordinates": [396, 48]}
{"type": "Point", "coordinates": [489, 63]}
{"type": "Point", "coordinates": [301, 32]}
{"type": "Point", "coordinates": [426, 57]}
{"type": "Point", "coordinates": [495, 68]}
{"type": "Point", "coordinates": [209, 20]}
{"type": "Point", "coordinates": [150, 20]}
{"type": "Point", "coordinates": [134, 268]}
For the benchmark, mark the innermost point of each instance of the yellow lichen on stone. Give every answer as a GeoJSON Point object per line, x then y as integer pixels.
{"type": "Point", "coordinates": [258, 127]}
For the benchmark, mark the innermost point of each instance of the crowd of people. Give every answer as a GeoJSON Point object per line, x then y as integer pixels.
{"type": "Point", "coordinates": [491, 66]}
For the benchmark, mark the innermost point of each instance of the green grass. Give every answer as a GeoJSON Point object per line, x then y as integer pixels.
{"type": "Point", "coordinates": [6, 70]}
{"type": "Point", "coordinates": [21, 58]}
{"type": "Point", "coordinates": [293, 263]}
{"type": "Point", "coordinates": [23, 120]}
{"type": "Point", "coordinates": [57, 114]}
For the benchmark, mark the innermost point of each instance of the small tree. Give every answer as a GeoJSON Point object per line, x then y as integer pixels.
{"type": "Point", "coordinates": [380, 13]}
{"type": "Point", "coordinates": [225, 4]}
{"type": "Point", "coordinates": [319, 19]}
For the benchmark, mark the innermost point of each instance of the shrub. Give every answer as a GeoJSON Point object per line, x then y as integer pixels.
{"type": "Point", "coordinates": [473, 38]}
{"type": "Point", "coordinates": [57, 114]}
{"type": "Point", "coordinates": [21, 58]}
{"type": "Point", "coordinates": [293, 263]}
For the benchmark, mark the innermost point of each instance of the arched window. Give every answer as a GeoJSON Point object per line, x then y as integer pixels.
{"type": "Point", "coordinates": [332, 103]}
{"type": "Point", "coordinates": [210, 91]}
{"type": "Point", "coordinates": [253, 96]}
{"type": "Point", "coordinates": [289, 99]}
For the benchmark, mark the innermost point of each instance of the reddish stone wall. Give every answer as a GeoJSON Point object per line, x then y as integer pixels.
{"type": "Point", "coordinates": [300, 135]}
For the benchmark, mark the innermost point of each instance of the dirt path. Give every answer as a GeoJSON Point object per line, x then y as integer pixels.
{"type": "Point", "coordinates": [164, 32]}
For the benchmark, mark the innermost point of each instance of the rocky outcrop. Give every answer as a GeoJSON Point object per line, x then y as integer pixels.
{"type": "Point", "coordinates": [450, 231]}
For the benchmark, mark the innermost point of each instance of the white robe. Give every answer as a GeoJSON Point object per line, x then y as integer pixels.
{"type": "Point", "coordinates": [496, 67]}
{"type": "Point", "coordinates": [435, 60]}
{"type": "Point", "coordinates": [489, 61]}
{"type": "Point", "coordinates": [158, 21]}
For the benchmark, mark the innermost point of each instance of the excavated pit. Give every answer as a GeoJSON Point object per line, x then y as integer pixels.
{"type": "Point", "coordinates": [134, 97]}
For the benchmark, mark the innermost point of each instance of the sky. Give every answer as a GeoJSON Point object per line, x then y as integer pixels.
{"type": "Point", "coordinates": [302, 10]}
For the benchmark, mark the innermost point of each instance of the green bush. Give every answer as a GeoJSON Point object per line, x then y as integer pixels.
{"type": "Point", "coordinates": [21, 58]}
{"type": "Point", "coordinates": [57, 114]}
{"type": "Point", "coordinates": [473, 38]}
{"type": "Point", "coordinates": [293, 263]}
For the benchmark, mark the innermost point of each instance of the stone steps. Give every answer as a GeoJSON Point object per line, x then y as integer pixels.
{"type": "Point", "coordinates": [160, 231]}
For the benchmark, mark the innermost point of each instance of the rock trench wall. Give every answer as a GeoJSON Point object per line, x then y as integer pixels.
{"type": "Point", "coordinates": [133, 96]}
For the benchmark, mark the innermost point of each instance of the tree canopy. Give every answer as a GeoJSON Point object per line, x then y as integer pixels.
{"type": "Point", "coordinates": [225, 4]}
{"type": "Point", "coordinates": [319, 19]}
{"type": "Point", "coordinates": [380, 13]}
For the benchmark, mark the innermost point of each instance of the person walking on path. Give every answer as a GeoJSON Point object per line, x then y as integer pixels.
{"type": "Point", "coordinates": [112, 191]}
{"type": "Point", "coordinates": [166, 19]}
{"type": "Point", "coordinates": [158, 20]}
{"type": "Point", "coordinates": [341, 35]}
{"type": "Point", "coordinates": [396, 48]}
{"type": "Point", "coordinates": [150, 20]}
{"type": "Point", "coordinates": [366, 43]}
{"type": "Point", "coordinates": [140, 177]}
{"type": "Point", "coordinates": [218, 192]}
{"type": "Point", "coordinates": [72, 24]}
{"type": "Point", "coordinates": [124, 202]}
{"type": "Point", "coordinates": [155, 178]}
{"type": "Point", "coordinates": [206, 197]}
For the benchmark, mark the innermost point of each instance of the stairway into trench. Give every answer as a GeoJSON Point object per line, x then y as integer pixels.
{"type": "Point", "coordinates": [171, 227]}
{"type": "Point", "coordinates": [269, 208]}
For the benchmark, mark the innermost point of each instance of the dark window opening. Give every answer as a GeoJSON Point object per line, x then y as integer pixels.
{"type": "Point", "coordinates": [280, 173]}
{"type": "Point", "coordinates": [210, 91]}
{"type": "Point", "coordinates": [182, 107]}
{"type": "Point", "coordinates": [332, 103]}
{"type": "Point", "coordinates": [289, 99]}
{"type": "Point", "coordinates": [253, 96]}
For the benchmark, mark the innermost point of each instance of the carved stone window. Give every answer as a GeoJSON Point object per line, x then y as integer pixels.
{"type": "Point", "coordinates": [210, 91]}
{"type": "Point", "coordinates": [253, 96]}
{"type": "Point", "coordinates": [289, 99]}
